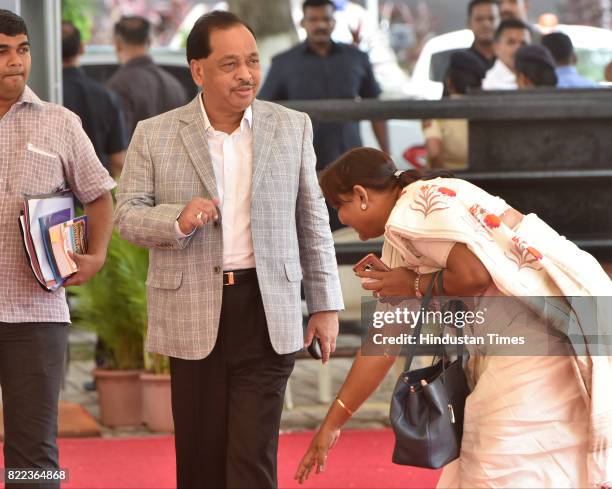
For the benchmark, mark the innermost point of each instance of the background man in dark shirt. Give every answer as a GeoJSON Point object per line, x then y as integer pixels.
{"type": "Point", "coordinates": [483, 20]}
{"type": "Point", "coordinates": [514, 9]}
{"type": "Point", "coordinates": [98, 108]}
{"type": "Point", "coordinates": [322, 69]}
{"type": "Point", "coordinates": [519, 9]}
{"type": "Point", "coordinates": [146, 90]}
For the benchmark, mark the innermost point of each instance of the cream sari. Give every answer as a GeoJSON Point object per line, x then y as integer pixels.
{"type": "Point", "coordinates": [530, 421]}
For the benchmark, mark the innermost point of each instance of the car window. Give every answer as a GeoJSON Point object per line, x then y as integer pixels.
{"type": "Point", "coordinates": [439, 65]}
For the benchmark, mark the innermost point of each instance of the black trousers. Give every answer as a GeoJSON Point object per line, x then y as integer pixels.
{"type": "Point", "coordinates": [227, 406]}
{"type": "Point", "coordinates": [31, 365]}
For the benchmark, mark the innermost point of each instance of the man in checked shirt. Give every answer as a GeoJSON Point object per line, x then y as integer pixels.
{"type": "Point", "coordinates": [42, 147]}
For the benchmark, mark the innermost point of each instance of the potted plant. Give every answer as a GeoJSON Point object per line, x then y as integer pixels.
{"type": "Point", "coordinates": [156, 400]}
{"type": "Point", "coordinates": [113, 305]}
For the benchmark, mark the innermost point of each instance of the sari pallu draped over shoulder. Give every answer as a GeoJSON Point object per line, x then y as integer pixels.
{"type": "Point", "coordinates": [563, 284]}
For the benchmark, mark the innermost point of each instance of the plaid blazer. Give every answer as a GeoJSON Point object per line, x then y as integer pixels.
{"type": "Point", "coordinates": [167, 165]}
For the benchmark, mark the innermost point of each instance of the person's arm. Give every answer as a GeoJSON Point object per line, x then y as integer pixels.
{"type": "Point", "coordinates": [91, 185]}
{"type": "Point", "coordinates": [366, 374]}
{"type": "Point", "coordinates": [432, 132]}
{"type": "Point", "coordinates": [382, 135]}
{"type": "Point", "coordinates": [369, 88]}
{"type": "Point", "coordinates": [464, 275]}
{"type": "Point", "coordinates": [115, 162]}
{"type": "Point", "coordinates": [125, 105]}
{"type": "Point", "coordinates": [116, 139]}
{"type": "Point", "coordinates": [99, 229]}
{"type": "Point", "coordinates": [317, 255]}
{"type": "Point", "coordinates": [434, 153]}
{"type": "Point", "coordinates": [138, 218]}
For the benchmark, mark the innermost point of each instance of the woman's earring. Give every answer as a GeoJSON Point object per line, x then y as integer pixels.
{"type": "Point", "coordinates": [364, 206]}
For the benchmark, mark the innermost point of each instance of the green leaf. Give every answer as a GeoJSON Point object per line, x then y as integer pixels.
{"type": "Point", "coordinates": [80, 13]}
{"type": "Point", "coordinates": [113, 304]}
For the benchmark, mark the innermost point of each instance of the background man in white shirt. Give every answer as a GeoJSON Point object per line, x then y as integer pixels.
{"type": "Point", "coordinates": [224, 277]}
{"type": "Point", "coordinates": [510, 36]}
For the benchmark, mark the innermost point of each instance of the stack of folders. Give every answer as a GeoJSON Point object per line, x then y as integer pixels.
{"type": "Point", "coordinates": [50, 230]}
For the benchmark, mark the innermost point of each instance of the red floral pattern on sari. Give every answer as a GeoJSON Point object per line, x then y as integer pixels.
{"type": "Point", "coordinates": [484, 217]}
{"type": "Point", "coordinates": [535, 253]}
{"type": "Point", "coordinates": [479, 214]}
{"type": "Point", "coordinates": [447, 191]}
{"type": "Point", "coordinates": [432, 198]}
{"type": "Point", "coordinates": [523, 255]}
{"type": "Point", "coordinates": [492, 221]}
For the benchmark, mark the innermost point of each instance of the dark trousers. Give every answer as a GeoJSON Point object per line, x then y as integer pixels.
{"type": "Point", "coordinates": [31, 365]}
{"type": "Point", "coordinates": [227, 406]}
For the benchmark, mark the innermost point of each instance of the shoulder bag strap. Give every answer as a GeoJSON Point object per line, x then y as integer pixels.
{"type": "Point", "coordinates": [419, 325]}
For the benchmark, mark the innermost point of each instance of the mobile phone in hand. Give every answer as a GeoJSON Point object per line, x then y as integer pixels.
{"type": "Point", "coordinates": [315, 349]}
{"type": "Point", "coordinates": [370, 263]}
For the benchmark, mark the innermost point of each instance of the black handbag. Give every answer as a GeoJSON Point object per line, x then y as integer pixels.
{"type": "Point", "coordinates": [428, 420]}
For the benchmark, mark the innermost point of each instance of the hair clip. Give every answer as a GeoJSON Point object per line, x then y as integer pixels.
{"type": "Point", "coordinates": [398, 174]}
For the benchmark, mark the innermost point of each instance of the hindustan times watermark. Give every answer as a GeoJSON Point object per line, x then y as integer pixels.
{"type": "Point", "coordinates": [431, 339]}
{"type": "Point", "coordinates": [522, 326]}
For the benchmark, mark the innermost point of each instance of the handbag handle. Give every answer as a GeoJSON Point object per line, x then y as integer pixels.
{"type": "Point", "coordinates": [459, 343]}
{"type": "Point", "coordinates": [419, 326]}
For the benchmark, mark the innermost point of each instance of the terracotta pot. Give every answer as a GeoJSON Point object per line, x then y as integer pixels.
{"type": "Point", "coordinates": [119, 397]}
{"type": "Point", "coordinates": [156, 402]}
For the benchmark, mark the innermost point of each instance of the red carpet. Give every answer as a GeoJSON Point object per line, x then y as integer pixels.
{"type": "Point", "coordinates": [362, 459]}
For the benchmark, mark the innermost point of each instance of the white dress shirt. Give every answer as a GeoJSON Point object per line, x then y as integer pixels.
{"type": "Point", "coordinates": [232, 159]}
{"type": "Point", "coordinates": [499, 77]}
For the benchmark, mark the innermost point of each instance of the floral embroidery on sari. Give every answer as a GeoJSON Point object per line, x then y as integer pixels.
{"type": "Point", "coordinates": [432, 198]}
{"type": "Point", "coordinates": [523, 255]}
{"type": "Point", "coordinates": [485, 221]}
{"type": "Point", "coordinates": [475, 225]}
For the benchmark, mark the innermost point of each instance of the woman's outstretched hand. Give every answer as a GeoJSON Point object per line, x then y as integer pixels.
{"type": "Point", "coordinates": [323, 441]}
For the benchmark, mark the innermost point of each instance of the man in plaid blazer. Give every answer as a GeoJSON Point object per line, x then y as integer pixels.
{"type": "Point", "coordinates": [223, 191]}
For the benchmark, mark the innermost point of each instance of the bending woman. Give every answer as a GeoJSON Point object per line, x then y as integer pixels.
{"type": "Point", "coordinates": [530, 421]}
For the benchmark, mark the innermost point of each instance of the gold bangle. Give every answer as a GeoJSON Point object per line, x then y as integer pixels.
{"type": "Point", "coordinates": [344, 406]}
{"type": "Point", "coordinates": [417, 283]}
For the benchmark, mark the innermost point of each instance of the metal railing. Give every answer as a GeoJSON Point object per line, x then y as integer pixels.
{"type": "Point", "coordinates": [572, 127]}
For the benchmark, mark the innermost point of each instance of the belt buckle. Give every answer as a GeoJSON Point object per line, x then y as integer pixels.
{"type": "Point", "coordinates": [230, 278]}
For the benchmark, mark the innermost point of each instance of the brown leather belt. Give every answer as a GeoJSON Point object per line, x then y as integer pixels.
{"type": "Point", "coordinates": [237, 277]}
